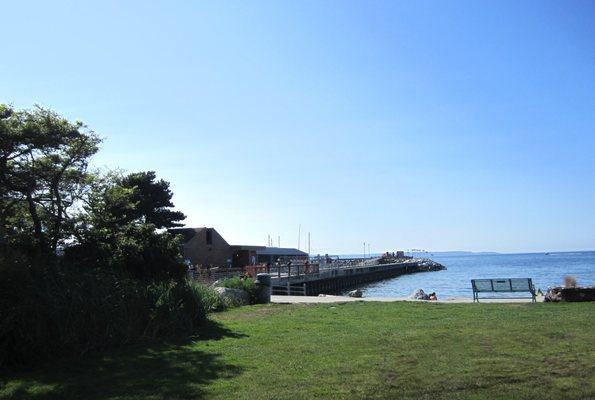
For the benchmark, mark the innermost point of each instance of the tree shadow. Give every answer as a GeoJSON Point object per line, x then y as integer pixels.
{"type": "Point", "coordinates": [160, 371]}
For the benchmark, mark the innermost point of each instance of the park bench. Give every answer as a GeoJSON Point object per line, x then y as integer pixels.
{"type": "Point", "coordinates": [512, 285]}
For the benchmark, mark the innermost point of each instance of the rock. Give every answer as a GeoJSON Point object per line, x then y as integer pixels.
{"type": "Point", "coordinates": [560, 293]}
{"type": "Point", "coordinates": [355, 293]}
{"type": "Point", "coordinates": [419, 294]}
{"type": "Point", "coordinates": [237, 296]}
{"type": "Point", "coordinates": [553, 294]}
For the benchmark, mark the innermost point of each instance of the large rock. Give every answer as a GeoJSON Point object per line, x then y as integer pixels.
{"type": "Point", "coordinates": [560, 293]}
{"type": "Point", "coordinates": [419, 294]}
{"type": "Point", "coordinates": [237, 296]}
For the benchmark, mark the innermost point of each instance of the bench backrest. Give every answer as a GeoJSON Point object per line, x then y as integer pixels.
{"type": "Point", "coordinates": [503, 285]}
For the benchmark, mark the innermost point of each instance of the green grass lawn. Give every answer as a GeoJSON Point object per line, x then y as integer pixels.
{"type": "Point", "coordinates": [346, 351]}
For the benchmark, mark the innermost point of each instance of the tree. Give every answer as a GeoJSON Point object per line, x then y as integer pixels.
{"type": "Point", "coordinates": [50, 200]}
{"type": "Point", "coordinates": [152, 201]}
{"type": "Point", "coordinates": [116, 228]}
{"type": "Point", "coordinates": [43, 173]}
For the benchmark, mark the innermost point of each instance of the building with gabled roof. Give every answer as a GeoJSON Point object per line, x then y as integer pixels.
{"type": "Point", "coordinates": [206, 247]}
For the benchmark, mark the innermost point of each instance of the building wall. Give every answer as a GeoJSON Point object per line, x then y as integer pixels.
{"type": "Point", "coordinates": [205, 247]}
{"type": "Point", "coordinates": [199, 252]}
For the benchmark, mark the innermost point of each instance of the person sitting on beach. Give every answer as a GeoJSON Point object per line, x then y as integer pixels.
{"type": "Point", "coordinates": [433, 296]}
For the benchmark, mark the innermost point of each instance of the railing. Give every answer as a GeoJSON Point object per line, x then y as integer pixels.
{"type": "Point", "coordinates": [293, 269]}
{"type": "Point", "coordinates": [337, 263]}
{"type": "Point", "coordinates": [213, 274]}
{"type": "Point", "coordinates": [282, 270]}
{"type": "Point", "coordinates": [300, 268]}
{"type": "Point", "coordinates": [289, 289]}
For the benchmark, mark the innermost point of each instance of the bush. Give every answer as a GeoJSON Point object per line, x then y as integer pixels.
{"type": "Point", "coordinates": [54, 311]}
{"type": "Point", "coordinates": [569, 282]}
{"type": "Point", "coordinates": [137, 250]}
{"type": "Point", "coordinates": [246, 284]}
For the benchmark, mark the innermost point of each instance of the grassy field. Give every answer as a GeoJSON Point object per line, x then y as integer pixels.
{"type": "Point", "coordinates": [346, 351]}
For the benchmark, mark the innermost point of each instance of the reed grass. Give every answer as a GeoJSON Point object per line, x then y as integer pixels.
{"type": "Point", "coordinates": [61, 312]}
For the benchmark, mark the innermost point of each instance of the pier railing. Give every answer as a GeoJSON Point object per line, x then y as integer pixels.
{"type": "Point", "coordinates": [300, 268]}
{"type": "Point", "coordinates": [289, 270]}
{"type": "Point", "coordinates": [209, 275]}
{"type": "Point", "coordinates": [289, 289]}
{"type": "Point", "coordinates": [335, 278]}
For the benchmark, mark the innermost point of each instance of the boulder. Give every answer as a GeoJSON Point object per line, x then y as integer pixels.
{"type": "Point", "coordinates": [355, 293]}
{"type": "Point", "coordinates": [419, 294]}
{"type": "Point", "coordinates": [237, 296]}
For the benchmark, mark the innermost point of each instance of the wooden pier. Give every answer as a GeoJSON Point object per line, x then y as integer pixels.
{"type": "Point", "coordinates": [336, 280]}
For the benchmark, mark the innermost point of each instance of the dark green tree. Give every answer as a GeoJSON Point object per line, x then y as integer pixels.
{"type": "Point", "coordinates": [49, 200]}
{"type": "Point", "coordinates": [112, 233]}
{"type": "Point", "coordinates": [151, 199]}
{"type": "Point", "coordinates": [44, 162]}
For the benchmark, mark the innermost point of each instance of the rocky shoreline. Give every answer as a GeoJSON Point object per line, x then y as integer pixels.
{"type": "Point", "coordinates": [570, 294]}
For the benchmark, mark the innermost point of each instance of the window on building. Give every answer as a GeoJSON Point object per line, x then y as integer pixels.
{"type": "Point", "coordinates": [209, 236]}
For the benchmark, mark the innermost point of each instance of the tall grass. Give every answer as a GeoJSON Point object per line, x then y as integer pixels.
{"type": "Point", "coordinates": [54, 312]}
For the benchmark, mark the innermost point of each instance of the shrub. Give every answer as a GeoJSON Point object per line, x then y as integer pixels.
{"type": "Point", "coordinates": [55, 311]}
{"type": "Point", "coordinates": [137, 250]}
{"type": "Point", "coordinates": [246, 284]}
{"type": "Point", "coordinates": [569, 281]}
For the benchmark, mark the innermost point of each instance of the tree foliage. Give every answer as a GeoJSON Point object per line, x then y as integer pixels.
{"type": "Point", "coordinates": [84, 260]}
{"type": "Point", "coordinates": [43, 173]}
{"type": "Point", "coordinates": [50, 201]}
{"type": "Point", "coordinates": [151, 199]}
{"type": "Point", "coordinates": [113, 230]}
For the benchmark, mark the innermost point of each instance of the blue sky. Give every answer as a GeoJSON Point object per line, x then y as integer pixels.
{"type": "Point", "coordinates": [435, 125]}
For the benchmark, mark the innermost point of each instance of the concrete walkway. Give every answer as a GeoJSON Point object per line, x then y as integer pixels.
{"type": "Point", "coordinates": [343, 299]}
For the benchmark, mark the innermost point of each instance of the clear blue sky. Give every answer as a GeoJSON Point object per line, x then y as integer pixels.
{"type": "Point", "coordinates": [436, 125]}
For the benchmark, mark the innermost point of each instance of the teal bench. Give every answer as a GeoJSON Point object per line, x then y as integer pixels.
{"type": "Point", "coordinates": [512, 285]}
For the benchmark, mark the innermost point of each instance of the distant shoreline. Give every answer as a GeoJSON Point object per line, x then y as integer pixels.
{"type": "Point", "coordinates": [430, 254]}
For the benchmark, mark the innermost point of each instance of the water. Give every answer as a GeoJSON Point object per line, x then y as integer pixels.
{"type": "Point", "coordinates": [545, 270]}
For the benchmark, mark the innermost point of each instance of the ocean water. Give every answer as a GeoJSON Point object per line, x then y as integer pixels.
{"type": "Point", "coordinates": [455, 281]}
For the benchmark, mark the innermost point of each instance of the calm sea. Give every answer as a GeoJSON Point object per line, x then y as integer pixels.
{"type": "Point", "coordinates": [545, 270]}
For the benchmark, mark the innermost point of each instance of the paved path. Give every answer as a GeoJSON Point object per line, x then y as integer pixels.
{"type": "Point", "coordinates": [343, 299]}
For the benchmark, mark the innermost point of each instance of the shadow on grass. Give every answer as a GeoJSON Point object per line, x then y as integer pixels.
{"type": "Point", "coordinates": [160, 371]}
